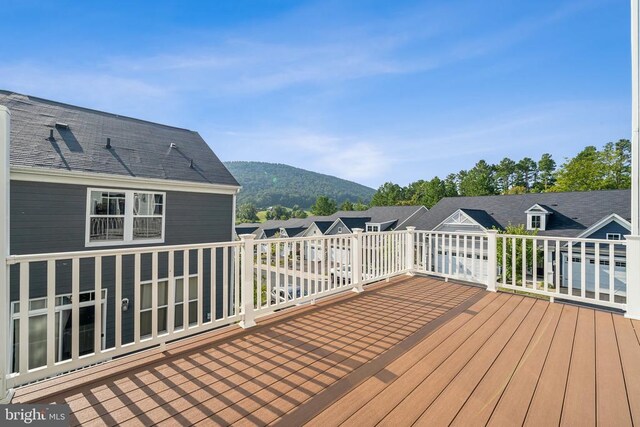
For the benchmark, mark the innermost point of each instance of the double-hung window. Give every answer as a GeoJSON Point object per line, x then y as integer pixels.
{"type": "Point", "coordinates": [121, 217]}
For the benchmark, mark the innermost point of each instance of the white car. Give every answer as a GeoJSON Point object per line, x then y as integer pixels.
{"type": "Point", "coordinates": [342, 272]}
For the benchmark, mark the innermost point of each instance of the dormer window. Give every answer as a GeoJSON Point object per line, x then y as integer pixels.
{"type": "Point", "coordinates": [537, 218]}
{"type": "Point", "coordinates": [536, 222]}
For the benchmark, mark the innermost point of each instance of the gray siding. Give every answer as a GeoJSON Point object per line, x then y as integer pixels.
{"type": "Point", "coordinates": [612, 227]}
{"type": "Point", "coordinates": [51, 218]}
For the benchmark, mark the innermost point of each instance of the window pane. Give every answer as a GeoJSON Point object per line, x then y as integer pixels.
{"type": "Point", "coordinates": [159, 205]}
{"type": "Point", "coordinates": [145, 296]}
{"type": "Point", "coordinates": [179, 293]}
{"type": "Point", "coordinates": [106, 228]}
{"type": "Point", "coordinates": [145, 323]}
{"type": "Point", "coordinates": [178, 316]}
{"type": "Point", "coordinates": [63, 335]}
{"type": "Point", "coordinates": [16, 346]}
{"type": "Point", "coordinates": [37, 341]}
{"type": "Point", "coordinates": [38, 304]}
{"type": "Point", "coordinates": [147, 228]}
{"type": "Point", "coordinates": [193, 288]}
{"type": "Point", "coordinates": [143, 204]}
{"type": "Point", "coordinates": [193, 312]}
{"type": "Point", "coordinates": [163, 290]}
{"type": "Point", "coordinates": [162, 320]}
{"type": "Point", "coordinates": [115, 203]}
{"type": "Point", "coordinates": [87, 327]}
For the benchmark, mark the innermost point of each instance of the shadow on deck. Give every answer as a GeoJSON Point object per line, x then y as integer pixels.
{"type": "Point", "coordinates": [413, 351]}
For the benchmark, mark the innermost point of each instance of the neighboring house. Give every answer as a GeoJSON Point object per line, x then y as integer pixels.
{"type": "Point", "coordinates": [592, 214]}
{"type": "Point", "coordinates": [374, 219]}
{"type": "Point", "coordinates": [83, 179]}
{"type": "Point", "coordinates": [245, 228]}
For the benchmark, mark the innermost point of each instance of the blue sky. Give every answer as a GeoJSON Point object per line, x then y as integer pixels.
{"type": "Point", "coordinates": [371, 91]}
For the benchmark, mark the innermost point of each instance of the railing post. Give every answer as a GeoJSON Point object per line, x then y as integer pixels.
{"type": "Point", "coordinates": [247, 286]}
{"type": "Point", "coordinates": [492, 260]}
{"type": "Point", "coordinates": [411, 242]}
{"type": "Point", "coordinates": [633, 276]}
{"type": "Point", "coordinates": [5, 123]}
{"type": "Point", "coordinates": [356, 260]}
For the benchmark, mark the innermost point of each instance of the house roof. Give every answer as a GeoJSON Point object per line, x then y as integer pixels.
{"type": "Point", "coordinates": [139, 148]}
{"type": "Point", "coordinates": [246, 228]}
{"type": "Point", "coordinates": [358, 222]}
{"type": "Point", "coordinates": [571, 212]}
{"type": "Point", "coordinates": [376, 214]}
{"type": "Point", "coordinates": [481, 217]}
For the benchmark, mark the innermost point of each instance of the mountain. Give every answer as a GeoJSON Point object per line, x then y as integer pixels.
{"type": "Point", "coordinates": [270, 184]}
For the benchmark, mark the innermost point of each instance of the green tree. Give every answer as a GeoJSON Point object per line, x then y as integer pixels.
{"type": "Point", "coordinates": [359, 206]}
{"type": "Point", "coordinates": [505, 248]}
{"type": "Point", "coordinates": [428, 193]}
{"type": "Point", "coordinates": [278, 212]}
{"type": "Point", "coordinates": [505, 174]}
{"type": "Point", "coordinates": [389, 194]}
{"type": "Point", "coordinates": [298, 212]}
{"type": "Point", "coordinates": [451, 185]}
{"type": "Point", "coordinates": [616, 157]}
{"type": "Point", "coordinates": [324, 206]}
{"type": "Point", "coordinates": [479, 181]}
{"type": "Point", "coordinates": [247, 213]}
{"type": "Point", "coordinates": [527, 170]}
{"type": "Point", "coordinates": [346, 206]}
{"type": "Point", "coordinates": [585, 172]}
{"type": "Point", "coordinates": [546, 168]}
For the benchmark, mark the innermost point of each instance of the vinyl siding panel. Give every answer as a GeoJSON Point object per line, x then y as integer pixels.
{"type": "Point", "coordinates": [49, 218]}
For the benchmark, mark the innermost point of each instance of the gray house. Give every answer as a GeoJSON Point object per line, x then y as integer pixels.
{"type": "Point", "coordinates": [590, 214]}
{"type": "Point", "coordinates": [83, 179]}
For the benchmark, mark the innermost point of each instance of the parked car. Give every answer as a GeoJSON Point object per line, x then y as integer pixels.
{"type": "Point", "coordinates": [279, 293]}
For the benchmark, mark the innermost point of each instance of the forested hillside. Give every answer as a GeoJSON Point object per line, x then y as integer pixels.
{"type": "Point", "coordinates": [271, 184]}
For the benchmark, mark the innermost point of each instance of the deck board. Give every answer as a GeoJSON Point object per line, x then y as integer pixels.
{"type": "Point", "coordinates": [415, 351]}
{"type": "Point", "coordinates": [580, 395]}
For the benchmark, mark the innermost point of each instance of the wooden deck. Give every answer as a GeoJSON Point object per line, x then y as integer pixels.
{"type": "Point", "coordinates": [413, 351]}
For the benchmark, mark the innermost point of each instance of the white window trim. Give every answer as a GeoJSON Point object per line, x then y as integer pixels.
{"type": "Point", "coordinates": [57, 308]}
{"type": "Point", "coordinates": [128, 219]}
{"type": "Point", "coordinates": [610, 235]}
{"type": "Point", "coordinates": [543, 221]}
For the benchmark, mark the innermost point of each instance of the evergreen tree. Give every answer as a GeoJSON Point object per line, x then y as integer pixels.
{"type": "Point", "coordinates": [389, 194]}
{"type": "Point", "coordinates": [324, 206]}
{"type": "Point", "coordinates": [505, 174]}
{"type": "Point", "coordinates": [479, 181]}
{"type": "Point", "coordinates": [546, 168]}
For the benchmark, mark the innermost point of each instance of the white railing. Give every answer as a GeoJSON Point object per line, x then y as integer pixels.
{"type": "Point", "coordinates": [453, 255]}
{"type": "Point", "coordinates": [71, 310]}
{"type": "Point", "coordinates": [87, 307]}
{"type": "Point", "coordinates": [584, 270]}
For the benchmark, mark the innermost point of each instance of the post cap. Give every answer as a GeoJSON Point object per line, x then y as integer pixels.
{"type": "Point", "coordinates": [358, 230]}
{"type": "Point", "coordinates": [492, 231]}
{"type": "Point", "coordinates": [411, 228]}
{"type": "Point", "coordinates": [247, 236]}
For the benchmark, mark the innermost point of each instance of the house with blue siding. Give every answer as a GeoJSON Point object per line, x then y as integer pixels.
{"type": "Point", "coordinates": [604, 214]}
{"type": "Point", "coordinates": [81, 180]}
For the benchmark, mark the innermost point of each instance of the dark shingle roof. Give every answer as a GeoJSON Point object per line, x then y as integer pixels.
{"type": "Point", "coordinates": [140, 148]}
{"type": "Point", "coordinates": [572, 212]}
{"type": "Point", "coordinates": [352, 223]}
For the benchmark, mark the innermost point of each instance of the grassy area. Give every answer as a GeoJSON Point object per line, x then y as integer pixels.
{"type": "Point", "coordinates": [262, 215]}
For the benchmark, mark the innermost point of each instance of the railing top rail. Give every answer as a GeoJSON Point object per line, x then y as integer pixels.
{"type": "Point", "coordinates": [453, 233]}
{"type": "Point", "coordinates": [14, 259]}
{"type": "Point", "coordinates": [564, 239]}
